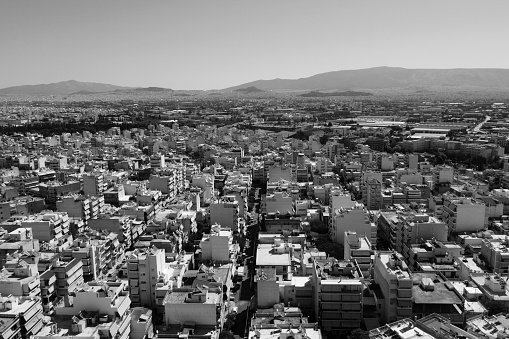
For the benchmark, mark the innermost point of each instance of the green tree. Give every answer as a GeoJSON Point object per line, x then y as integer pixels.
{"type": "Point", "coordinates": [229, 322]}
{"type": "Point", "coordinates": [330, 247]}
{"type": "Point", "coordinates": [225, 334]}
{"type": "Point", "coordinates": [496, 307]}
{"type": "Point", "coordinates": [319, 227]}
{"type": "Point", "coordinates": [323, 139]}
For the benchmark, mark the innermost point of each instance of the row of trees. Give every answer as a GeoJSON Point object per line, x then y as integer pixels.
{"type": "Point", "coordinates": [56, 128]}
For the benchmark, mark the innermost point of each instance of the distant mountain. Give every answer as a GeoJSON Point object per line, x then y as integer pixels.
{"type": "Point", "coordinates": [62, 88]}
{"type": "Point", "coordinates": [388, 77]}
{"type": "Point", "coordinates": [83, 93]}
{"type": "Point", "coordinates": [316, 94]}
{"type": "Point", "coordinates": [249, 90]}
{"type": "Point", "coordinates": [153, 89]}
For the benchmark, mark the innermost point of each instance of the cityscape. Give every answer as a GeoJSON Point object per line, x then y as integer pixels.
{"type": "Point", "coordinates": [354, 201]}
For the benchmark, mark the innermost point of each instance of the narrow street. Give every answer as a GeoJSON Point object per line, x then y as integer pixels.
{"type": "Point", "coordinates": [478, 127]}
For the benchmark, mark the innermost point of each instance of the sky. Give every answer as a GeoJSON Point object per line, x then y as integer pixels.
{"type": "Point", "coordinates": [215, 44]}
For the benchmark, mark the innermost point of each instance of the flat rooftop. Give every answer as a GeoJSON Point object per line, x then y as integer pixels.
{"type": "Point", "coordinates": [440, 295]}
{"type": "Point", "coordinates": [266, 256]}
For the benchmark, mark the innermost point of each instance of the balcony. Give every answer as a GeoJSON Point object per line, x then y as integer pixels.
{"type": "Point", "coordinates": [407, 303]}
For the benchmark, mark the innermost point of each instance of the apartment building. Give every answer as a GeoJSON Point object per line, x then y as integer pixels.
{"type": "Point", "coordinates": [48, 225]}
{"type": "Point", "coordinates": [81, 207]}
{"type": "Point", "coordinates": [433, 256]}
{"type": "Point", "coordinates": [20, 279]}
{"type": "Point", "coordinates": [338, 288]}
{"type": "Point", "coordinates": [267, 287]}
{"type": "Point", "coordinates": [277, 223]}
{"type": "Point", "coordinates": [98, 310]}
{"type": "Point", "coordinates": [48, 280]}
{"type": "Point", "coordinates": [122, 225]}
{"type": "Point", "coordinates": [372, 194]}
{"type": "Point", "coordinates": [464, 214]}
{"type": "Point", "coordinates": [204, 181]}
{"type": "Point", "coordinates": [218, 246]}
{"type": "Point", "coordinates": [495, 254]}
{"type": "Point", "coordinates": [201, 307]}
{"type": "Point", "coordinates": [226, 213]}
{"type": "Point", "coordinates": [94, 184]}
{"type": "Point", "coordinates": [20, 317]}
{"type": "Point", "coordinates": [157, 161]}
{"type": "Point", "coordinates": [278, 256]}
{"type": "Point", "coordinates": [355, 219]}
{"type": "Point", "coordinates": [395, 282]}
{"type": "Point", "coordinates": [88, 254]}
{"type": "Point", "coordinates": [141, 323]}
{"type": "Point", "coordinates": [431, 293]}
{"type": "Point", "coordinates": [25, 183]}
{"type": "Point", "coordinates": [358, 249]}
{"type": "Point", "coordinates": [69, 276]}
{"type": "Point", "coordinates": [20, 205]}
{"type": "Point", "coordinates": [144, 270]}
{"type": "Point", "coordinates": [404, 228]}
{"type": "Point", "coordinates": [278, 202]}
{"type": "Point", "coordinates": [52, 190]}
{"type": "Point", "coordinates": [169, 181]}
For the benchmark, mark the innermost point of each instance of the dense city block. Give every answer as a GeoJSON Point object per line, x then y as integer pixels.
{"type": "Point", "coordinates": [248, 216]}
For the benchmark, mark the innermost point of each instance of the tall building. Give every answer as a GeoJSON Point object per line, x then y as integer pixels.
{"type": "Point", "coordinates": [69, 276]}
{"type": "Point", "coordinates": [464, 214]}
{"type": "Point", "coordinates": [218, 245]}
{"type": "Point", "coordinates": [225, 212]}
{"type": "Point", "coordinates": [20, 317]}
{"type": "Point", "coordinates": [358, 248]}
{"type": "Point", "coordinates": [94, 184]}
{"type": "Point", "coordinates": [81, 207]}
{"type": "Point", "coordinates": [204, 181]}
{"type": "Point", "coordinates": [144, 271]}
{"type": "Point", "coordinates": [47, 226]}
{"type": "Point", "coordinates": [354, 219]}
{"type": "Point", "coordinates": [372, 193]}
{"type": "Point", "coordinates": [157, 161]}
{"type": "Point", "coordinates": [19, 278]}
{"type": "Point", "coordinates": [169, 181]}
{"type": "Point", "coordinates": [392, 276]}
{"type": "Point", "coordinates": [338, 288]}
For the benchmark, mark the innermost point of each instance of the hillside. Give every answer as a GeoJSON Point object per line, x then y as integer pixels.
{"type": "Point", "coordinates": [249, 90]}
{"type": "Point", "coordinates": [62, 88]}
{"type": "Point", "coordinates": [316, 94]}
{"type": "Point", "coordinates": [388, 77]}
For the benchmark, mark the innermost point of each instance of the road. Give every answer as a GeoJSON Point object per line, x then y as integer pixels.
{"type": "Point", "coordinates": [478, 127]}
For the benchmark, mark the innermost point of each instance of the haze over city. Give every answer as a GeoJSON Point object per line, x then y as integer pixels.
{"type": "Point", "coordinates": [218, 44]}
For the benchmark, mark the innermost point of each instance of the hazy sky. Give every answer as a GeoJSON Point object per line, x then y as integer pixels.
{"type": "Point", "coordinates": [212, 44]}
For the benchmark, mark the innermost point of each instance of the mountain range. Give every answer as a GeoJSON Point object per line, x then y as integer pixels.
{"type": "Point", "coordinates": [63, 88]}
{"type": "Point", "coordinates": [378, 78]}
{"type": "Point", "coordinates": [388, 77]}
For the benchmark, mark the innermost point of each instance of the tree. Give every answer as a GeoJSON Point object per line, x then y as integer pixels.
{"type": "Point", "coordinates": [319, 227]}
{"type": "Point", "coordinates": [496, 307]}
{"type": "Point", "coordinates": [358, 334]}
{"type": "Point", "coordinates": [226, 335]}
{"type": "Point", "coordinates": [333, 249]}
{"type": "Point", "coordinates": [323, 139]}
{"type": "Point", "coordinates": [229, 322]}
